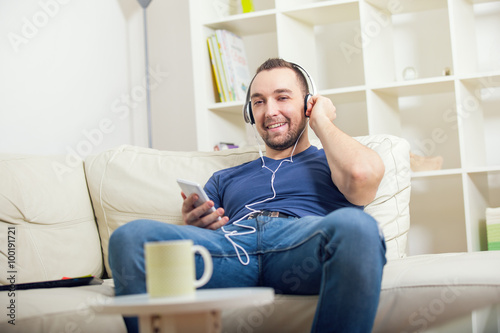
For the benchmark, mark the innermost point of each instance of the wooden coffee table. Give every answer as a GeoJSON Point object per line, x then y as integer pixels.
{"type": "Point", "coordinates": [198, 313]}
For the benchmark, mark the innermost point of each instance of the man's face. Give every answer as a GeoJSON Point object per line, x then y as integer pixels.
{"type": "Point", "coordinates": [278, 107]}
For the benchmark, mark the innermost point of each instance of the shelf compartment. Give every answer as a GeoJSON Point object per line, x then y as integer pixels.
{"type": "Point", "coordinates": [419, 114]}
{"type": "Point", "coordinates": [259, 37]}
{"type": "Point", "coordinates": [226, 127]}
{"type": "Point", "coordinates": [220, 10]}
{"type": "Point", "coordinates": [418, 86]}
{"type": "Point", "coordinates": [247, 24]}
{"type": "Point", "coordinates": [352, 117]}
{"type": "Point", "coordinates": [437, 215]}
{"type": "Point", "coordinates": [262, 5]}
{"type": "Point", "coordinates": [320, 38]}
{"type": "Point", "coordinates": [395, 38]}
{"type": "Point", "coordinates": [326, 13]}
{"type": "Point", "coordinates": [478, 116]}
{"type": "Point", "coordinates": [476, 47]}
{"type": "Point", "coordinates": [408, 6]}
{"type": "Point", "coordinates": [304, 4]}
{"type": "Point", "coordinates": [230, 107]}
{"type": "Point", "coordinates": [422, 174]}
{"type": "Point", "coordinates": [482, 191]}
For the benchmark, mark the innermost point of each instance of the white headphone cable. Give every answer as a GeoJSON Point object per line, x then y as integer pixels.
{"type": "Point", "coordinates": [229, 234]}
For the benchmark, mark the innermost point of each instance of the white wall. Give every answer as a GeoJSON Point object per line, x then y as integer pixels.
{"type": "Point", "coordinates": [71, 76]}
{"type": "Point", "coordinates": [169, 40]}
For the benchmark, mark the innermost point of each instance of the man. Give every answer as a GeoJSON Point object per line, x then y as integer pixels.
{"type": "Point", "coordinates": [315, 196]}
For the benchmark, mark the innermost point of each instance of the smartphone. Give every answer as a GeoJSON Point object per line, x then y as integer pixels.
{"type": "Point", "coordinates": [189, 187]}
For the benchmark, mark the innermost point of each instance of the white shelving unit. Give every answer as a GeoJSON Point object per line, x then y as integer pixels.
{"type": "Point", "coordinates": [357, 52]}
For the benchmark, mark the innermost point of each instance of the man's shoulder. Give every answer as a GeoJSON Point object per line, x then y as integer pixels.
{"type": "Point", "coordinates": [313, 152]}
{"type": "Point", "coordinates": [236, 168]}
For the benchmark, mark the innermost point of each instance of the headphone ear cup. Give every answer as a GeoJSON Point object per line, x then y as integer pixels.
{"type": "Point", "coordinates": [248, 114]}
{"type": "Point", "coordinates": [306, 100]}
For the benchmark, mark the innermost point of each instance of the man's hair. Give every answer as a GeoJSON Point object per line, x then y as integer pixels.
{"type": "Point", "coordinates": [273, 63]}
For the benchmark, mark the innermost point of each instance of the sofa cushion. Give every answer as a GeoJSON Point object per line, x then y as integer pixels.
{"type": "Point", "coordinates": [423, 291]}
{"type": "Point", "coordinates": [391, 206]}
{"type": "Point", "coordinates": [129, 183]}
{"type": "Point", "coordinates": [46, 214]}
{"type": "Point", "coordinates": [418, 293]}
{"type": "Point", "coordinates": [53, 310]}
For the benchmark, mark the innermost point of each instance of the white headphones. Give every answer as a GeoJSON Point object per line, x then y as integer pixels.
{"type": "Point", "coordinates": [311, 89]}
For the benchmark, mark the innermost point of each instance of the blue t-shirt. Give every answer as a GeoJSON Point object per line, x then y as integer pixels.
{"type": "Point", "coordinates": [303, 188]}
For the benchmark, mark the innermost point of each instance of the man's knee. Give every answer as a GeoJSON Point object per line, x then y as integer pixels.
{"type": "Point", "coordinates": [138, 232]}
{"type": "Point", "coordinates": [356, 235]}
{"type": "Point", "coordinates": [124, 236]}
{"type": "Point", "coordinates": [354, 224]}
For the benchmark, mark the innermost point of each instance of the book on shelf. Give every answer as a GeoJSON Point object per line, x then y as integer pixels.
{"type": "Point", "coordinates": [247, 6]}
{"type": "Point", "coordinates": [216, 74]}
{"type": "Point", "coordinates": [229, 65]}
{"type": "Point", "coordinates": [219, 70]}
{"type": "Point", "coordinates": [226, 8]}
{"type": "Point", "coordinates": [493, 228]}
{"type": "Point", "coordinates": [225, 63]}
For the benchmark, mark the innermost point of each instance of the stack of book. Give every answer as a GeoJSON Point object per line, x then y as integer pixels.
{"type": "Point", "coordinates": [229, 65]}
{"type": "Point", "coordinates": [493, 228]}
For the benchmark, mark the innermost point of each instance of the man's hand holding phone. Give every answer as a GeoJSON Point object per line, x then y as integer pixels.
{"type": "Point", "coordinates": [197, 209]}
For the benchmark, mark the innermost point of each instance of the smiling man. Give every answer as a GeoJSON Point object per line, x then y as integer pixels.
{"type": "Point", "coordinates": [297, 206]}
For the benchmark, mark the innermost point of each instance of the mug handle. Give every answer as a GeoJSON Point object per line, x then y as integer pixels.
{"type": "Point", "coordinates": [207, 258]}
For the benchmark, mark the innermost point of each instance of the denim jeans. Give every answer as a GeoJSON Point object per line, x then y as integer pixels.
{"type": "Point", "coordinates": [339, 257]}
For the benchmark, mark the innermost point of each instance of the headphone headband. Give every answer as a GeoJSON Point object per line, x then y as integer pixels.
{"type": "Point", "coordinates": [311, 91]}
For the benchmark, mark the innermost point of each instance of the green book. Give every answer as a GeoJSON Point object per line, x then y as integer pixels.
{"type": "Point", "coordinates": [247, 6]}
{"type": "Point", "coordinates": [493, 228]}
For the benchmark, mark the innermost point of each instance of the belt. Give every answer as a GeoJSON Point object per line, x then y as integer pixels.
{"type": "Point", "coordinates": [267, 213]}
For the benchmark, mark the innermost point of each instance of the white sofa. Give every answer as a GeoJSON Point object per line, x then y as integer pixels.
{"type": "Point", "coordinates": [63, 212]}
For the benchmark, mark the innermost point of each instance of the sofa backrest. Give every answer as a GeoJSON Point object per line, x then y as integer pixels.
{"type": "Point", "coordinates": [129, 183]}
{"type": "Point", "coordinates": [47, 226]}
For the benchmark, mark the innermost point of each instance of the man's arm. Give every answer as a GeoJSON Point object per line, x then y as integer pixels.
{"type": "Point", "coordinates": [356, 169]}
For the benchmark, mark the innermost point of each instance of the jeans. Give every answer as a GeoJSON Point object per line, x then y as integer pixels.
{"type": "Point", "coordinates": [339, 257]}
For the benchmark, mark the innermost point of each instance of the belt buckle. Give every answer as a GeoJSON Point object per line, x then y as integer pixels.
{"type": "Point", "coordinates": [253, 216]}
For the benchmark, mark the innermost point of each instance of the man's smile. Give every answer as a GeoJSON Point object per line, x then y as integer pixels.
{"type": "Point", "coordinates": [275, 125]}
